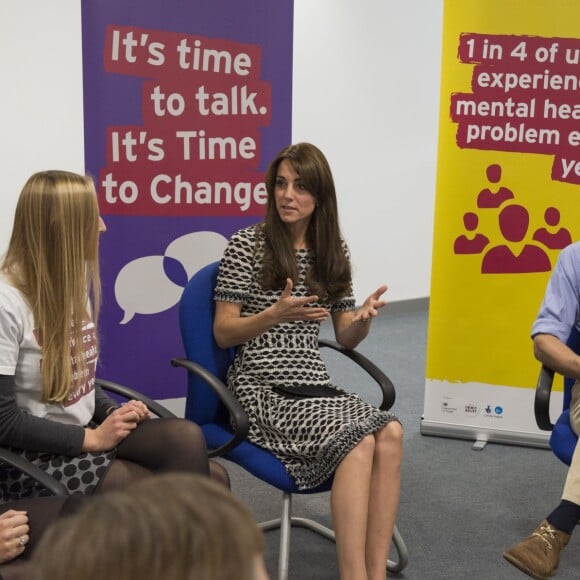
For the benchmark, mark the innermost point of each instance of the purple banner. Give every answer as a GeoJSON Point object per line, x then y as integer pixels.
{"type": "Point", "coordinates": [185, 104]}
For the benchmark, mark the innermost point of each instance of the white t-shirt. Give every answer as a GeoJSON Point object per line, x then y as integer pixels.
{"type": "Point", "coordinates": [20, 355]}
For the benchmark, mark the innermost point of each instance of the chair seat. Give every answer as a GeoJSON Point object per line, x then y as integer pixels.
{"type": "Point", "coordinates": [563, 439]}
{"type": "Point", "coordinates": [257, 461]}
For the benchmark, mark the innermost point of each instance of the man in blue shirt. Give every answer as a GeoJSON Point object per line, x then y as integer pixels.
{"type": "Point", "coordinates": [539, 554]}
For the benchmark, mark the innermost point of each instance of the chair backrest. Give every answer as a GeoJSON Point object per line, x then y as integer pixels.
{"type": "Point", "coordinates": [574, 344]}
{"type": "Point", "coordinates": [196, 313]}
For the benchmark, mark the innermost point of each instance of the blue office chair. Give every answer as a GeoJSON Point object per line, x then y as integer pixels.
{"type": "Point", "coordinates": [225, 423]}
{"type": "Point", "coordinates": [562, 439]}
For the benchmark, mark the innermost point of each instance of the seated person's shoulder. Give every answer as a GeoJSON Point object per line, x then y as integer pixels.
{"type": "Point", "coordinates": [571, 251]}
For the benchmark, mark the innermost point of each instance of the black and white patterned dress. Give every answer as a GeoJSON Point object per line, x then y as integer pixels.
{"type": "Point", "coordinates": [310, 435]}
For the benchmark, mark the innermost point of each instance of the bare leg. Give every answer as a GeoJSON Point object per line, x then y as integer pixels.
{"type": "Point", "coordinates": [384, 498]}
{"type": "Point", "coordinates": [349, 501]}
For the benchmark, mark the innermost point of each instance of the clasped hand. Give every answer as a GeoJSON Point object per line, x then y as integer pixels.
{"type": "Point", "coordinates": [117, 426]}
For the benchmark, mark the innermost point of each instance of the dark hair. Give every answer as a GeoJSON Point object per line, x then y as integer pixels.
{"type": "Point", "coordinates": [330, 275]}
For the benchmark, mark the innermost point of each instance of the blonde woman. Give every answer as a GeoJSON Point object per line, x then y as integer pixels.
{"type": "Point", "coordinates": [170, 526]}
{"type": "Point", "coordinates": [50, 409]}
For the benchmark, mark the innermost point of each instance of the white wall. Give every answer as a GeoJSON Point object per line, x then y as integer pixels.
{"type": "Point", "coordinates": [366, 91]}
{"type": "Point", "coordinates": [41, 107]}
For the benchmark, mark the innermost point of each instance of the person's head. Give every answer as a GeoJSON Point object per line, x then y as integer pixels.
{"type": "Point", "coordinates": [309, 164]}
{"type": "Point", "coordinates": [170, 526]}
{"type": "Point", "coordinates": [52, 258]}
{"type": "Point", "coordinates": [308, 168]}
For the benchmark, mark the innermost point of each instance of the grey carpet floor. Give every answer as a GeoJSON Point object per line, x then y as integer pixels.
{"type": "Point", "coordinates": [459, 508]}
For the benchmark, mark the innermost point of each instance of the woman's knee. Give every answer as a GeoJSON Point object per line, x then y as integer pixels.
{"type": "Point", "coordinates": [183, 445]}
{"type": "Point", "coordinates": [391, 437]}
{"type": "Point", "coordinates": [166, 445]}
{"type": "Point", "coordinates": [179, 432]}
{"type": "Point", "coordinates": [364, 449]}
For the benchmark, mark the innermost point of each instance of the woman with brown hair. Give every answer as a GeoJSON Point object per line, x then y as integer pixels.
{"type": "Point", "coordinates": [51, 412]}
{"type": "Point", "coordinates": [278, 281]}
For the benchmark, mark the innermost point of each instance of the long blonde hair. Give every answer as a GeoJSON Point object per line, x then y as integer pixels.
{"type": "Point", "coordinates": [53, 260]}
{"type": "Point", "coordinates": [171, 526]}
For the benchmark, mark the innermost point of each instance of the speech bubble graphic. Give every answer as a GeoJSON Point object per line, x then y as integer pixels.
{"type": "Point", "coordinates": [197, 249]}
{"type": "Point", "coordinates": [175, 271]}
{"type": "Point", "coordinates": [142, 287]}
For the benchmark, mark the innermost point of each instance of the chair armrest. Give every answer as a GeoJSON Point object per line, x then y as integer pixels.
{"type": "Point", "coordinates": [386, 385]}
{"type": "Point", "coordinates": [128, 393]}
{"type": "Point", "coordinates": [239, 417]}
{"type": "Point", "coordinates": [36, 473]}
{"type": "Point", "coordinates": [542, 399]}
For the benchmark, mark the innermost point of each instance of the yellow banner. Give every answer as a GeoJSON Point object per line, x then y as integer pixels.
{"type": "Point", "coordinates": [508, 185]}
{"type": "Point", "coordinates": [509, 138]}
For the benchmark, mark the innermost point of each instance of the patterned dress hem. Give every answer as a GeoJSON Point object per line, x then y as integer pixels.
{"type": "Point", "coordinates": [313, 475]}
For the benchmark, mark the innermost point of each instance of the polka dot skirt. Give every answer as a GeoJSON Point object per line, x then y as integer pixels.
{"type": "Point", "coordinates": [80, 474]}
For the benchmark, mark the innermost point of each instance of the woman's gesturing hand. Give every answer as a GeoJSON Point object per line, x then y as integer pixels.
{"type": "Point", "coordinates": [370, 307]}
{"type": "Point", "coordinates": [13, 534]}
{"type": "Point", "coordinates": [289, 309]}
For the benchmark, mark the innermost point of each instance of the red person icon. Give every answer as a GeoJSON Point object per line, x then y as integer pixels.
{"type": "Point", "coordinates": [465, 244]}
{"type": "Point", "coordinates": [514, 222]}
{"type": "Point", "coordinates": [488, 198]}
{"type": "Point", "coordinates": [554, 240]}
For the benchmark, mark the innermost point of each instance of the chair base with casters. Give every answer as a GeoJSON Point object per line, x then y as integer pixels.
{"type": "Point", "coordinates": [231, 444]}
{"type": "Point", "coordinates": [286, 521]}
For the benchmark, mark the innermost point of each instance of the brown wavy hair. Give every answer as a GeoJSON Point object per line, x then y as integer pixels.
{"type": "Point", "coordinates": [52, 258]}
{"type": "Point", "coordinates": [330, 275]}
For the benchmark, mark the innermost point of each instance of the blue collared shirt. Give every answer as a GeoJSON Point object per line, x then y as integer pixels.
{"type": "Point", "coordinates": [560, 309]}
